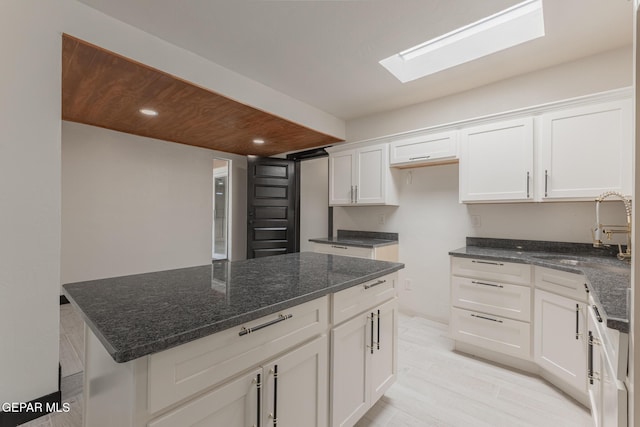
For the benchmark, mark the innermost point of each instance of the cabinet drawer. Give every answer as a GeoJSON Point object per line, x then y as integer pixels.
{"type": "Point", "coordinates": [563, 283]}
{"type": "Point", "coordinates": [501, 299]}
{"type": "Point", "coordinates": [424, 149]}
{"type": "Point", "coordinates": [508, 272]}
{"type": "Point", "coordinates": [496, 333]}
{"type": "Point", "coordinates": [355, 300]}
{"type": "Point", "coordinates": [182, 371]}
{"type": "Point", "coordinates": [336, 249]}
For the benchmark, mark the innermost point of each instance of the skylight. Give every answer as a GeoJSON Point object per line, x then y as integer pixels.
{"type": "Point", "coordinates": [510, 27]}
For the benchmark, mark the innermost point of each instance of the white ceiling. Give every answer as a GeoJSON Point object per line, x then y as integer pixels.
{"type": "Point", "coordinates": [326, 53]}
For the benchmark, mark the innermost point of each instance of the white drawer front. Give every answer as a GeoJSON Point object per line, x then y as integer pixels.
{"type": "Point", "coordinates": [500, 299]}
{"type": "Point", "coordinates": [563, 283]}
{"type": "Point", "coordinates": [496, 333]}
{"type": "Point", "coordinates": [353, 251]}
{"type": "Point", "coordinates": [492, 270]}
{"type": "Point", "coordinates": [355, 300]}
{"type": "Point", "coordinates": [182, 371]}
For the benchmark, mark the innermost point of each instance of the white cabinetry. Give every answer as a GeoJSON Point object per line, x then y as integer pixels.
{"type": "Point", "coordinates": [383, 253]}
{"type": "Point", "coordinates": [607, 392]}
{"type": "Point", "coordinates": [586, 150]}
{"type": "Point", "coordinates": [420, 150]}
{"type": "Point", "coordinates": [364, 351]}
{"type": "Point", "coordinates": [491, 305]}
{"type": "Point", "coordinates": [561, 338]}
{"type": "Point", "coordinates": [361, 176]}
{"type": "Point", "coordinates": [291, 389]}
{"type": "Point", "coordinates": [496, 161]}
{"type": "Point", "coordinates": [560, 333]}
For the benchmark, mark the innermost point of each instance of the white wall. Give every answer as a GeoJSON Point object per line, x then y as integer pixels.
{"type": "Point", "coordinates": [29, 198]}
{"type": "Point", "coordinates": [314, 200]}
{"type": "Point", "coordinates": [132, 204]}
{"type": "Point", "coordinates": [430, 220]}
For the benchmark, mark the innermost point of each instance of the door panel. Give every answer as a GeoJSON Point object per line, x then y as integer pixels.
{"type": "Point", "coordinates": [384, 359]}
{"type": "Point", "coordinates": [271, 213]}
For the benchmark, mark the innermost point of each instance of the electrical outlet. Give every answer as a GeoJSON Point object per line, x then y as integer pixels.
{"type": "Point", "coordinates": [475, 221]}
{"type": "Point", "coordinates": [382, 219]}
{"type": "Point", "coordinates": [407, 284]}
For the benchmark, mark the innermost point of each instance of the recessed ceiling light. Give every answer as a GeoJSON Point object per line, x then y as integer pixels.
{"type": "Point", "coordinates": [148, 112]}
{"type": "Point", "coordinates": [258, 141]}
{"type": "Point", "coordinates": [505, 29]}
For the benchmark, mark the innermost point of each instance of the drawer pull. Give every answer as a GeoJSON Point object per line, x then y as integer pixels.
{"type": "Point", "coordinates": [258, 400]}
{"type": "Point", "coordinates": [493, 285]}
{"type": "Point", "coordinates": [281, 317]}
{"type": "Point", "coordinates": [339, 247]}
{"type": "Point", "coordinates": [487, 262]}
{"type": "Point", "coordinates": [420, 158]}
{"type": "Point", "coordinates": [379, 282]}
{"type": "Point", "coordinates": [486, 318]}
{"type": "Point", "coordinates": [597, 313]}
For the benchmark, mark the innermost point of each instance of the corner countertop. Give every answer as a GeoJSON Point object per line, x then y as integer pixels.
{"type": "Point", "coordinates": [360, 239]}
{"type": "Point", "coordinates": [608, 278]}
{"type": "Point", "coordinates": [142, 314]}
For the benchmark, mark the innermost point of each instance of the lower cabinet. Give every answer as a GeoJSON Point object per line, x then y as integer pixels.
{"type": "Point", "coordinates": [607, 393]}
{"type": "Point", "coordinates": [561, 338]}
{"type": "Point", "coordinates": [364, 362]}
{"type": "Point", "coordinates": [288, 391]}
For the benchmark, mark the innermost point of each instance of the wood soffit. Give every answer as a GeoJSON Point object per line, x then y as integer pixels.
{"type": "Point", "coordinates": [102, 88]}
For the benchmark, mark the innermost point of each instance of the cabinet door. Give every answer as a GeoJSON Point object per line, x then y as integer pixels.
{"type": "Point", "coordinates": [296, 387]}
{"type": "Point", "coordinates": [594, 369]}
{"type": "Point", "coordinates": [371, 169]}
{"type": "Point", "coordinates": [383, 366]}
{"type": "Point", "coordinates": [235, 404]}
{"type": "Point", "coordinates": [561, 338]}
{"type": "Point", "coordinates": [424, 149]}
{"type": "Point", "coordinates": [341, 174]}
{"type": "Point", "coordinates": [496, 161]}
{"type": "Point", "coordinates": [350, 394]}
{"type": "Point", "coordinates": [586, 151]}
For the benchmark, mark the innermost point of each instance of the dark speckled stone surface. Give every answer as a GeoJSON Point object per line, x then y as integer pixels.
{"type": "Point", "coordinates": [608, 278]}
{"type": "Point", "coordinates": [137, 315]}
{"type": "Point", "coordinates": [361, 239]}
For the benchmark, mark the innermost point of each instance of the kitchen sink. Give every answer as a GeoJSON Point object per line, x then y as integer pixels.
{"type": "Point", "coordinates": [574, 261]}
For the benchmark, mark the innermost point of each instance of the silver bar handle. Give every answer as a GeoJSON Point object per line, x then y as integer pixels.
{"type": "Point", "coordinates": [339, 247]}
{"type": "Point", "coordinates": [419, 158]}
{"type": "Point", "coordinates": [379, 282]}
{"type": "Point", "coordinates": [546, 183]}
{"type": "Point", "coordinates": [486, 284]}
{"type": "Point", "coordinates": [351, 195]}
{"type": "Point", "coordinates": [487, 262]}
{"type": "Point", "coordinates": [281, 318]}
{"type": "Point", "coordinates": [528, 180]}
{"type": "Point", "coordinates": [356, 197]}
{"type": "Point", "coordinates": [486, 318]}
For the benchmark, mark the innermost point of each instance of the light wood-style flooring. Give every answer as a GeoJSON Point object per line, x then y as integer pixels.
{"type": "Point", "coordinates": [436, 387]}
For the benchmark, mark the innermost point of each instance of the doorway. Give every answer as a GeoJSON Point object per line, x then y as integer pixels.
{"type": "Point", "coordinates": [221, 190]}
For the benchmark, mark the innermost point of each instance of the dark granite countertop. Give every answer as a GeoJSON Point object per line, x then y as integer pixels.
{"type": "Point", "coordinates": [361, 239]}
{"type": "Point", "coordinates": [607, 277]}
{"type": "Point", "coordinates": [137, 315]}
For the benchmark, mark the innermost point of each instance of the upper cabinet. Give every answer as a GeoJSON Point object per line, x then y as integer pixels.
{"type": "Point", "coordinates": [496, 161]}
{"type": "Point", "coordinates": [586, 151]}
{"type": "Point", "coordinates": [420, 150]}
{"type": "Point", "coordinates": [361, 176]}
{"type": "Point", "coordinates": [551, 153]}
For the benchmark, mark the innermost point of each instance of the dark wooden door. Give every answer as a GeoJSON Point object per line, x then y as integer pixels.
{"type": "Point", "coordinates": [271, 207]}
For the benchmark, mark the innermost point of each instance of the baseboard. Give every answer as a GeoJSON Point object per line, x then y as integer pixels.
{"type": "Point", "coordinates": [35, 409]}
{"type": "Point", "coordinates": [63, 300]}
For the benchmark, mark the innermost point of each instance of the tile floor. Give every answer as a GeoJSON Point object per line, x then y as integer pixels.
{"type": "Point", "coordinates": [436, 386]}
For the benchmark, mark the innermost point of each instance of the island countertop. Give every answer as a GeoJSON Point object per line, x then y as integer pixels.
{"type": "Point", "coordinates": [142, 314]}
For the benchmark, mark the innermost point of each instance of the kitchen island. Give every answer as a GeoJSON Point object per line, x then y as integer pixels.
{"type": "Point", "coordinates": [238, 343]}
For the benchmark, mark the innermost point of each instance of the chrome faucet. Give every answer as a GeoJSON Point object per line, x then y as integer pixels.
{"type": "Point", "coordinates": [608, 230]}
